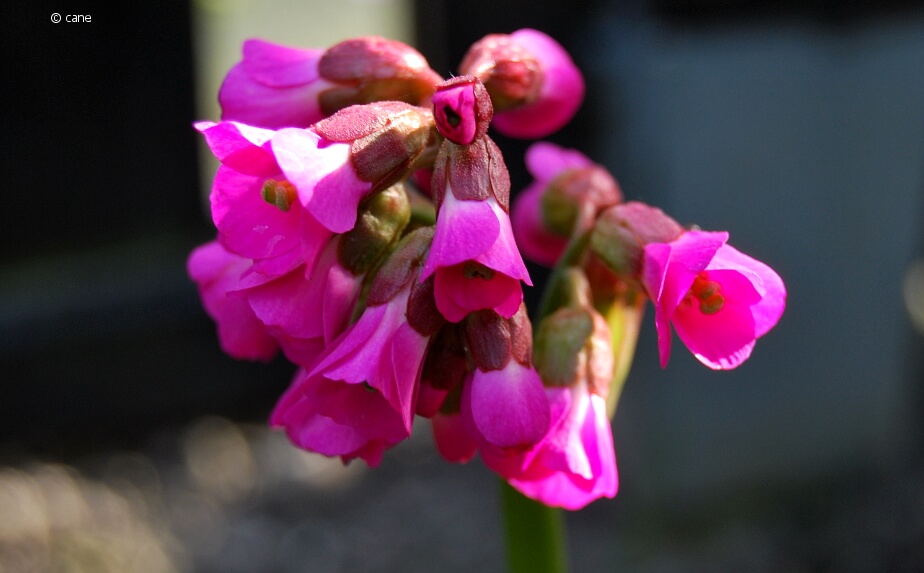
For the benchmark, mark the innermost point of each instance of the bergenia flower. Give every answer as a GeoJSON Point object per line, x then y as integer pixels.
{"type": "Point", "coordinates": [566, 183]}
{"type": "Point", "coordinates": [575, 462]}
{"type": "Point", "coordinates": [274, 86]}
{"type": "Point", "coordinates": [471, 189]}
{"type": "Point", "coordinates": [255, 208]}
{"type": "Point", "coordinates": [535, 86]}
{"type": "Point", "coordinates": [333, 418]}
{"type": "Point", "coordinates": [217, 273]}
{"type": "Point", "coordinates": [350, 155]}
{"type": "Point", "coordinates": [385, 348]}
{"type": "Point", "coordinates": [277, 86]}
{"type": "Point", "coordinates": [719, 300]}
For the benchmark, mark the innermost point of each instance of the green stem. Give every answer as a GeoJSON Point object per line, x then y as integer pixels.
{"type": "Point", "coordinates": [535, 534]}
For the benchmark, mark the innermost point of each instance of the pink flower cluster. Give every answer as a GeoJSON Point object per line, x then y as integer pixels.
{"type": "Point", "coordinates": [364, 229]}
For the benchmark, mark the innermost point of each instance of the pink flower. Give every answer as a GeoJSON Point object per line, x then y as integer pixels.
{"type": "Point", "coordinates": [475, 269]}
{"type": "Point", "coordinates": [719, 300]}
{"type": "Point", "coordinates": [217, 273]}
{"type": "Point", "coordinates": [545, 161]}
{"type": "Point", "coordinates": [575, 463]}
{"type": "Point", "coordinates": [306, 313]}
{"type": "Point", "coordinates": [255, 208]}
{"type": "Point", "coordinates": [273, 87]}
{"type": "Point", "coordinates": [535, 86]}
{"type": "Point", "coordinates": [335, 418]}
{"type": "Point", "coordinates": [507, 407]}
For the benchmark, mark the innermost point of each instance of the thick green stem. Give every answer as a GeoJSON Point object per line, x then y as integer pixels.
{"type": "Point", "coordinates": [535, 534]}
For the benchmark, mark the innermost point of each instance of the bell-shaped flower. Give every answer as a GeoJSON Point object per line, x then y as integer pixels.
{"type": "Point", "coordinates": [474, 254]}
{"type": "Point", "coordinates": [217, 273]}
{"type": "Point", "coordinates": [350, 155]}
{"type": "Point", "coordinates": [569, 189]}
{"type": "Point", "coordinates": [719, 300]}
{"type": "Point", "coordinates": [386, 347]}
{"type": "Point", "coordinates": [274, 86]}
{"type": "Point", "coordinates": [534, 84]}
{"type": "Point", "coordinates": [255, 208]}
{"type": "Point", "coordinates": [335, 418]}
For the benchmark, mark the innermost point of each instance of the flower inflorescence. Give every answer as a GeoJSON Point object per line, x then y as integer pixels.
{"type": "Point", "coordinates": [365, 229]}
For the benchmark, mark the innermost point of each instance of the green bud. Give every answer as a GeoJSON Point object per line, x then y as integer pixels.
{"type": "Point", "coordinates": [379, 223]}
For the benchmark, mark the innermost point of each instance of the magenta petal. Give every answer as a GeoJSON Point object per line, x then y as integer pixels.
{"type": "Point", "coordinates": [324, 176]}
{"type": "Point", "coordinates": [545, 160]}
{"type": "Point", "coordinates": [408, 349]}
{"type": "Point", "coordinates": [245, 100]}
{"type": "Point", "coordinates": [509, 406]}
{"type": "Point", "coordinates": [217, 272]}
{"type": "Point", "coordinates": [275, 65]}
{"type": "Point", "coordinates": [464, 230]}
{"type": "Point", "coordinates": [767, 283]}
{"type": "Point", "coordinates": [560, 97]}
{"type": "Point", "coordinates": [240, 147]}
{"type": "Point", "coordinates": [247, 224]}
{"type": "Point", "coordinates": [503, 256]}
{"type": "Point", "coordinates": [290, 304]}
{"type": "Point", "coordinates": [452, 439]}
{"type": "Point", "coordinates": [457, 295]}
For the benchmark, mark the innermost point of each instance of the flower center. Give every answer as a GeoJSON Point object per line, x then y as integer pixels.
{"type": "Point", "coordinates": [279, 193]}
{"type": "Point", "coordinates": [707, 293]}
{"type": "Point", "coordinates": [473, 270]}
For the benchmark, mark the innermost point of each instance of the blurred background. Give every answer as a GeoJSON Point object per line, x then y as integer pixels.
{"type": "Point", "coordinates": [129, 442]}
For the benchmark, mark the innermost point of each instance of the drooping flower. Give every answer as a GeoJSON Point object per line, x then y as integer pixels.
{"type": "Point", "coordinates": [277, 86]}
{"type": "Point", "coordinates": [334, 418]}
{"type": "Point", "coordinates": [719, 300]}
{"type": "Point", "coordinates": [535, 86]}
{"type": "Point", "coordinates": [255, 208]}
{"type": "Point", "coordinates": [217, 272]}
{"type": "Point", "coordinates": [274, 86]}
{"type": "Point", "coordinates": [352, 154]}
{"type": "Point", "coordinates": [575, 462]}
{"type": "Point", "coordinates": [471, 189]}
{"type": "Point", "coordinates": [568, 189]}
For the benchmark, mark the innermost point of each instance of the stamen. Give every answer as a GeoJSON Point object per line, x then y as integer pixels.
{"type": "Point", "coordinates": [707, 293]}
{"type": "Point", "coordinates": [279, 193]}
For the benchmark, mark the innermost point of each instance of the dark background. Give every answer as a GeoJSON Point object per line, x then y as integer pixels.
{"type": "Point", "coordinates": [798, 126]}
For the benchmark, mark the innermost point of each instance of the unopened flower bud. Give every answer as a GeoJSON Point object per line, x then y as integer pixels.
{"type": "Point", "coordinates": [534, 84]}
{"type": "Point", "coordinates": [381, 219]}
{"type": "Point", "coordinates": [403, 265]}
{"type": "Point", "coordinates": [573, 344]}
{"type": "Point", "coordinates": [462, 109]}
{"type": "Point", "coordinates": [622, 231]}
{"type": "Point", "coordinates": [585, 189]}
{"type": "Point", "coordinates": [493, 340]}
{"type": "Point", "coordinates": [388, 140]}
{"type": "Point", "coordinates": [371, 69]}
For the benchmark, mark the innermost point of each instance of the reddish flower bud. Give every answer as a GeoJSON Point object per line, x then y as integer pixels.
{"type": "Point", "coordinates": [374, 69]}
{"type": "Point", "coordinates": [462, 109]}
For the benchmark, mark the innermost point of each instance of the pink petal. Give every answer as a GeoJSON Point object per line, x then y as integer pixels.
{"type": "Point", "coordinates": [456, 239]}
{"type": "Point", "coordinates": [247, 224]}
{"type": "Point", "coordinates": [245, 100]}
{"type": "Point", "coordinates": [457, 295]}
{"type": "Point", "coordinates": [509, 406]}
{"type": "Point", "coordinates": [453, 441]}
{"type": "Point", "coordinates": [217, 272]}
{"type": "Point", "coordinates": [767, 283]}
{"type": "Point", "coordinates": [545, 161]}
{"type": "Point", "coordinates": [503, 256]}
{"type": "Point", "coordinates": [240, 147]}
{"type": "Point", "coordinates": [324, 176]}
{"type": "Point", "coordinates": [275, 65]}
{"type": "Point", "coordinates": [668, 271]}
{"type": "Point", "coordinates": [560, 97]}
